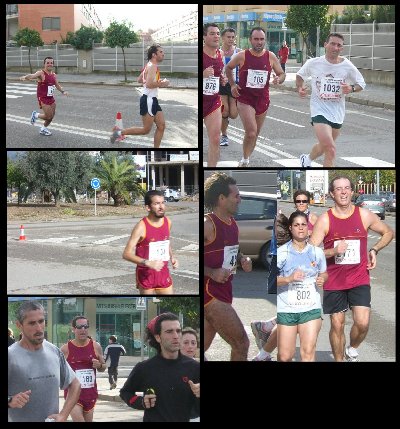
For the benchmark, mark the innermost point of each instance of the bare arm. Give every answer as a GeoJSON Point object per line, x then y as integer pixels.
{"type": "Point", "coordinates": [236, 60]}
{"type": "Point", "coordinates": [151, 81]}
{"type": "Point", "coordinates": [74, 390]}
{"type": "Point", "coordinates": [99, 363]}
{"type": "Point", "coordinates": [276, 67]}
{"type": "Point", "coordinates": [320, 230]}
{"type": "Point", "coordinates": [36, 75]}
{"type": "Point", "coordinates": [57, 85]}
{"type": "Point", "coordinates": [300, 88]}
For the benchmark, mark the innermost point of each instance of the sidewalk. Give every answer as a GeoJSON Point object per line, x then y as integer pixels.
{"type": "Point", "coordinates": [372, 95]}
{"type": "Point", "coordinates": [108, 79]}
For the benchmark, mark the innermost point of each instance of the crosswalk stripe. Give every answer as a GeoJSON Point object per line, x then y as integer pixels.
{"type": "Point", "coordinates": [17, 91]}
{"type": "Point", "coordinates": [368, 161]}
{"type": "Point", "coordinates": [13, 96]}
{"type": "Point", "coordinates": [294, 162]}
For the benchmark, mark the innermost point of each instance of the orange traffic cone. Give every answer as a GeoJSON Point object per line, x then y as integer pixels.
{"type": "Point", "coordinates": [118, 123]}
{"type": "Point", "coordinates": [22, 233]}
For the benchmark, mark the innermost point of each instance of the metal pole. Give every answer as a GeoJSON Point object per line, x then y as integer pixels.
{"type": "Point", "coordinates": [172, 54]}
{"type": "Point", "coordinates": [142, 331]}
{"type": "Point", "coordinates": [373, 43]}
{"type": "Point", "coordinates": [317, 47]}
{"type": "Point", "coordinates": [95, 212]}
{"type": "Point", "coordinates": [377, 182]}
{"type": "Point", "coordinates": [350, 42]}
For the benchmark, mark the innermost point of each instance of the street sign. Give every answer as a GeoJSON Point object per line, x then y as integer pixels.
{"type": "Point", "coordinates": [95, 183]}
{"type": "Point", "coordinates": [141, 303]}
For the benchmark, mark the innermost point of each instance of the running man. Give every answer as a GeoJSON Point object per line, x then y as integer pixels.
{"type": "Point", "coordinates": [229, 109]}
{"type": "Point", "coordinates": [333, 77]}
{"type": "Point", "coordinates": [344, 231]}
{"type": "Point", "coordinates": [212, 78]}
{"type": "Point", "coordinates": [85, 356]}
{"type": "Point", "coordinates": [221, 253]}
{"type": "Point", "coordinates": [150, 110]}
{"type": "Point", "coordinates": [252, 91]}
{"type": "Point", "coordinates": [46, 85]}
{"type": "Point", "coordinates": [149, 247]}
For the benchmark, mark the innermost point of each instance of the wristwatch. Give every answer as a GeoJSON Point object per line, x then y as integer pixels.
{"type": "Point", "coordinates": [372, 248]}
{"type": "Point", "coordinates": [143, 261]}
{"type": "Point", "coordinates": [353, 88]}
{"type": "Point", "coordinates": [9, 400]}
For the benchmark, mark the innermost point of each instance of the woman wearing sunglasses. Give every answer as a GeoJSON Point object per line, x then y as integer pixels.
{"type": "Point", "coordinates": [301, 201]}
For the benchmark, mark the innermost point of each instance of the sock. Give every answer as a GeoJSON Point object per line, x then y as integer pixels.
{"type": "Point", "coordinates": [36, 115]}
{"type": "Point", "coordinates": [352, 351]}
{"type": "Point", "coordinates": [119, 132]}
{"type": "Point", "coordinates": [42, 128]}
{"type": "Point", "coordinates": [262, 354]}
{"type": "Point", "coordinates": [308, 158]}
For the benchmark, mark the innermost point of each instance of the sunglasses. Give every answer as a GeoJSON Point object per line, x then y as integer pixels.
{"type": "Point", "coordinates": [81, 326]}
{"type": "Point", "coordinates": [301, 201]}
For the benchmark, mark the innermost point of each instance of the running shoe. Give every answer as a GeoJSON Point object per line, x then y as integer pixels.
{"type": "Point", "coordinates": [244, 163]}
{"type": "Point", "coordinates": [305, 161]}
{"type": "Point", "coordinates": [45, 132]}
{"type": "Point", "coordinates": [224, 141]}
{"type": "Point", "coordinates": [115, 136]}
{"type": "Point", "coordinates": [349, 357]}
{"type": "Point", "coordinates": [268, 358]}
{"type": "Point", "coordinates": [262, 331]}
{"type": "Point", "coordinates": [33, 117]}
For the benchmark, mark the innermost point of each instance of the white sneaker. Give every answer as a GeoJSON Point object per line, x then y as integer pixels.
{"type": "Point", "coordinates": [33, 117]}
{"type": "Point", "coordinates": [350, 357]}
{"type": "Point", "coordinates": [45, 132]}
{"type": "Point", "coordinates": [244, 163]}
{"type": "Point", "coordinates": [224, 141]}
{"type": "Point", "coordinates": [305, 160]}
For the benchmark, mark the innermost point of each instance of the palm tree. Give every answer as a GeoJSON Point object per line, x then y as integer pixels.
{"type": "Point", "coordinates": [119, 179]}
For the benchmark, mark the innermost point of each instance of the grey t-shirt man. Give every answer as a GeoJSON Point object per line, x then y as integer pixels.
{"type": "Point", "coordinates": [44, 372]}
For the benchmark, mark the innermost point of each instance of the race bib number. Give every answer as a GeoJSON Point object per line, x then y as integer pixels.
{"type": "Point", "coordinates": [159, 250]}
{"type": "Point", "coordinates": [50, 90]}
{"type": "Point", "coordinates": [352, 254]}
{"type": "Point", "coordinates": [302, 294]}
{"type": "Point", "coordinates": [330, 88]}
{"type": "Point", "coordinates": [86, 377]}
{"type": "Point", "coordinates": [256, 78]}
{"type": "Point", "coordinates": [230, 258]}
{"type": "Point", "coordinates": [211, 85]}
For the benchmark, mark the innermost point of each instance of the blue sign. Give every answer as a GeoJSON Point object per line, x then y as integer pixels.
{"type": "Point", "coordinates": [232, 17]}
{"type": "Point", "coordinates": [213, 18]}
{"type": "Point", "coordinates": [249, 16]}
{"type": "Point", "coordinates": [95, 183]}
{"type": "Point", "coordinates": [273, 17]}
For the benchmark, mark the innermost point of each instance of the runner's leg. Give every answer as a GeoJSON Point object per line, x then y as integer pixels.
{"type": "Point", "coordinates": [213, 125]}
{"type": "Point", "coordinates": [325, 138]}
{"type": "Point", "coordinates": [248, 116]}
{"type": "Point", "coordinates": [308, 333]}
{"type": "Point", "coordinates": [159, 120]}
{"type": "Point", "coordinates": [336, 335]}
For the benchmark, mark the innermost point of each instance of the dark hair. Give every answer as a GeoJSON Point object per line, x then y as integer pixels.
{"type": "Point", "coordinates": [214, 186]}
{"type": "Point", "coordinates": [113, 338]}
{"type": "Point", "coordinates": [206, 26]}
{"type": "Point", "coordinates": [152, 50]}
{"type": "Point", "coordinates": [256, 29]}
{"type": "Point", "coordinates": [228, 30]}
{"type": "Point", "coordinates": [10, 333]}
{"type": "Point", "coordinates": [301, 192]}
{"type": "Point", "coordinates": [150, 194]}
{"type": "Point", "coordinates": [73, 323]}
{"type": "Point", "coordinates": [48, 58]}
{"type": "Point", "coordinates": [334, 35]}
{"type": "Point", "coordinates": [26, 307]}
{"type": "Point", "coordinates": [191, 331]}
{"type": "Point", "coordinates": [150, 336]}
{"type": "Point", "coordinates": [337, 178]}
{"type": "Point", "coordinates": [282, 229]}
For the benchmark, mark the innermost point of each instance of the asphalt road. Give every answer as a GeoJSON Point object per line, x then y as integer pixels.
{"type": "Point", "coordinates": [287, 133]}
{"type": "Point", "coordinates": [85, 257]}
{"type": "Point", "coordinates": [252, 302]}
{"type": "Point", "coordinates": [86, 117]}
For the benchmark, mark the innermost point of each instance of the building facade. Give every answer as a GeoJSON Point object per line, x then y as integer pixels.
{"type": "Point", "coordinates": [183, 29]}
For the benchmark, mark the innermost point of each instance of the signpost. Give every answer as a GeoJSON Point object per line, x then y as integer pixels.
{"type": "Point", "coordinates": [95, 184]}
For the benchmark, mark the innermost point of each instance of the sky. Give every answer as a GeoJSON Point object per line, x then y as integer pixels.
{"type": "Point", "coordinates": [142, 16]}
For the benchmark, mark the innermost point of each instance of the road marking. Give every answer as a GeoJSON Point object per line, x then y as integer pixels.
{"type": "Point", "coordinates": [292, 110]}
{"type": "Point", "coordinates": [189, 248]}
{"type": "Point", "coordinates": [367, 161]}
{"type": "Point", "coordinates": [13, 96]}
{"type": "Point", "coordinates": [286, 122]}
{"type": "Point", "coordinates": [111, 239]}
{"type": "Point", "coordinates": [52, 240]}
{"type": "Point", "coordinates": [294, 162]}
{"type": "Point", "coordinates": [370, 116]}
{"type": "Point", "coordinates": [17, 91]}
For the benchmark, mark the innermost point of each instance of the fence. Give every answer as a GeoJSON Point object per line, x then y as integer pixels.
{"type": "Point", "coordinates": [369, 46]}
{"type": "Point", "coordinates": [179, 57]}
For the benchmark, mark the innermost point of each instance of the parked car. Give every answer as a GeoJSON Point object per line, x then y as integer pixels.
{"type": "Point", "coordinates": [390, 203]}
{"type": "Point", "coordinates": [385, 195]}
{"type": "Point", "coordinates": [172, 195]}
{"type": "Point", "coordinates": [372, 202]}
{"type": "Point", "coordinates": [255, 219]}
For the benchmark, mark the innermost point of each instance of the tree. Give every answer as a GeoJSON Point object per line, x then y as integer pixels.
{"type": "Point", "coordinates": [118, 177]}
{"type": "Point", "coordinates": [305, 19]}
{"type": "Point", "coordinates": [188, 306]}
{"type": "Point", "coordinates": [120, 35]}
{"type": "Point", "coordinates": [383, 13]}
{"type": "Point", "coordinates": [29, 38]}
{"type": "Point", "coordinates": [15, 176]}
{"type": "Point", "coordinates": [84, 37]}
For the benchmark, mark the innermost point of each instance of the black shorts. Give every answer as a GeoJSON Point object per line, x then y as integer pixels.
{"type": "Point", "coordinates": [149, 105]}
{"type": "Point", "coordinates": [337, 301]}
{"type": "Point", "coordinates": [225, 90]}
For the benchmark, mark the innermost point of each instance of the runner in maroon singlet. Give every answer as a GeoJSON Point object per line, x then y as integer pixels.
{"type": "Point", "coordinates": [344, 232]}
{"type": "Point", "coordinates": [149, 247]}
{"type": "Point", "coordinates": [212, 79]}
{"type": "Point", "coordinates": [46, 84]}
{"type": "Point", "coordinates": [85, 356]}
{"type": "Point", "coordinates": [221, 253]}
{"type": "Point", "coordinates": [252, 91]}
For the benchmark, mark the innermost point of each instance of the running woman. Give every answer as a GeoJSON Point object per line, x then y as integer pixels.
{"type": "Point", "coordinates": [46, 85]}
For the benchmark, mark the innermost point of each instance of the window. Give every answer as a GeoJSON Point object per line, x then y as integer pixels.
{"type": "Point", "coordinates": [51, 24]}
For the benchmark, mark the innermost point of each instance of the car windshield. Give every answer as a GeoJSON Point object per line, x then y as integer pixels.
{"type": "Point", "coordinates": [371, 198]}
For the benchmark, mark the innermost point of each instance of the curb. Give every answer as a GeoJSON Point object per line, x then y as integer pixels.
{"type": "Point", "coordinates": [110, 398]}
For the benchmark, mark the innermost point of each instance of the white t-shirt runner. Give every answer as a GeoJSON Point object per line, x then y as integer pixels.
{"type": "Point", "coordinates": [326, 96]}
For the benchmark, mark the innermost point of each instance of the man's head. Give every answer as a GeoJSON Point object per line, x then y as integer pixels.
{"type": "Point", "coordinates": [228, 36]}
{"type": "Point", "coordinates": [154, 202]}
{"type": "Point", "coordinates": [31, 322]}
{"type": "Point", "coordinates": [257, 39]}
{"type": "Point", "coordinates": [48, 63]}
{"type": "Point", "coordinates": [80, 327]}
{"type": "Point", "coordinates": [164, 333]}
{"type": "Point", "coordinates": [219, 190]}
{"type": "Point", "coordinates": [341, 190]}
{"type": "Point", "coordinates": [112, 339]}
{"type": "Point", "coordinates": [284, 43]}
{"type": "Point", "coordinates": [155, 52]}
{"type": "Point", "coordinates": [211, 35]}
{"type": "Point", "coordinates": [334, 44]}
